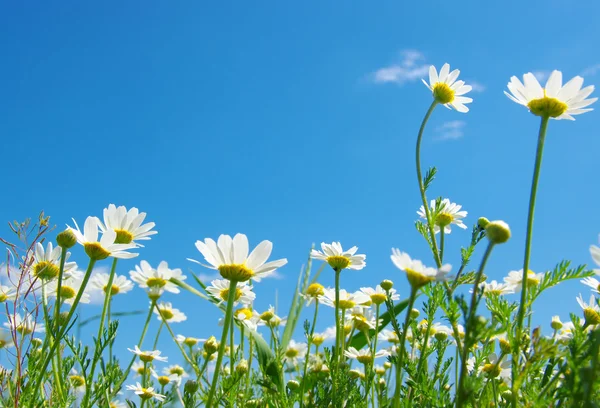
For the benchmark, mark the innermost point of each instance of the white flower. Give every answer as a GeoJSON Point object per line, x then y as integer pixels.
{"type": "Point", "coordinates": [70, 287]}
{"type": "Point", "coordinates": [147, 277]}
{"type": "Point", "coordinates": [591, 310]}
{"type": "Point", "coordinates": [230, 257]}
{"type": "Point", "coordinates": [444, 215]}
{"type": "Point", "coordinates": [566, 332]}
{"type": "Point", "coordinates": [175, 370]}
{"type": "Point", "coordinates": [362, 318]}
{"type": "Point", "coordinates": [347, 300]}
{"type": "Point", "coordinates": [495, 288]}
{"type": "Point", "coordinates": [126, 224]}
{"type": "Point", "coordinates": [555, 100]}
{"type": "Point", "coordinates": [148, 356]}
{"type": "Point", "coordinates": [7, 293]}
{"type": "Point", "coordinates": [378, 295]}
{"type": "Point", "coordinates": [103, 248]}
{"type": "Point", "coordinates": [595, 252]}
{"type": "Point", "coordinates": [313, 292]}
{"type": "Point", "coordinates": [294, 351]}
{"type": "Point", "coordinates": [339, 259]}
{"type": "Point", "coordinates": [219, 288]}
{"type": "Point", "coordinates": [389, 336]}
{"type": "Point", "coordinates": [496, 368]}
{"type": "Point", "coordinates": [447, 90]}
{"type": "Point", "coordinates": [188, 341]}
{"type": "Point", "coordinates": [46, 262]}
{"type": "Point", "coordinates": [120, 284]}
{"type": "Point", "coordinates": [23, 325]}
{"type": "Point", "coordinates": [592, 283]}
{"type": "Point", "coordinates": [418, 274]}
{"type": "Point", "coordinates": [515, 278]}
{"type": "Point", "coordinates": [165, 311]}
{"type": "Point", "coordinates": [471, 364]}
{"type": "Point", "coordinates": [320, 338]}
{"type": "Point", "coordinates": [248, 318]}
{"type": "Point", "coordinates": [138, 368]}
{"type": "Point", "coordinates": [165, 379]}
{"type": "Point", "coordinates": [364, 355]}
{"type": "Point", "coordinates": [146, 393]}
{"type": "Point", "coordinates": [77, 380]}
{"type": "Point", "coordinates": [6, 339]}
{"type": "Point", "coordinates": [117, 404]}
{"type": "Point", "coordinates": [438, 329]}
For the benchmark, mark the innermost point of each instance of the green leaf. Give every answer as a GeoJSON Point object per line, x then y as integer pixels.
{"type": "Point", "coordinates": [359, 340]}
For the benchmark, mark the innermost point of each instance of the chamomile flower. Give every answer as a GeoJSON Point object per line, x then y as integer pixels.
{"type": "Point", "coordinates": [418, 275]}
{"type": "Point", "coordinates": [496, 367]}
{"type": "Point", "coordinates": [70, 287]}
{"type": "Point", "coordinates": [312, 293]}
{"type": "Point", "coordinates": [165, 311]}
{"type": "Point", "coordinates": [362, 319]}
{"type": "Point", "coordinates": [46, 262]}
{"type": "Point", "coordinates": [294, 351]}
{"type": "Point", "coordinates": [165, 379]}
{"type": "Point", "coordinates": [566, 332]}
{"type": "Point", "coordinates": [175, 370]}
{"type": "Point", "coordinates": [126, 224]}
{"type": "Point", "coordinates": [120, 284]}
{"type": "Point", "coordinates": [23, 325]}
{"type": "Point", "coordinates": [364, 355]}
{"type": "Point", "coordinates": [591, 310]}
{"type": "Point", "coordinates": [555, 100]}
{"type": "Point", "coordinates": [389, 336]}
{"type": "Point", "coordinates": [378, 295]}
{"type": "Point", "coordinates": [515, 278]}
{"type": "Point", "coordinates": [103, 248]}
{"type": "Point", "coordinates": [147, 277]}
{"type": "Point", "coordinates": [146, 393]}
{"type": "Point", "coordinates": [248, 317]}
{"type": "Point", "coordinates": [7, 293]}
{"type": "Point", "coordinates": [6, 339]}
{"type": "Point", "coordinates": [339, 259]}
{"type": "Point", "coordinates": [444, 214]}
{"type": "Point", "coordinates": [447, 90]}
{"type": "Point", "coordinates": [188, 341]}
{"type": "Point", "coordinates": [595, 252]}
{"type": "Point", "coordinates": [440, 331]}
{"type": "Point", "coordinates": [117, 404]}
{"type": "Point", "coordinates": [496, 289]}
{"type": "Point", "coordinates": [77, 381]}
{"type": "Point", "coordinates": [471, 364]}
{"type": "Point", "coordinates": [148, 356]}
{"type": "Point", "coordinates": [347, 300]}
{"type": "Point", "coordinates": [219, 288]}
{"type": "Point", "coordinates": [230, 257]}
{"type": "Point", "coordinates": [138, 368]}
{"type": "Point", "coordinates": [592, 283]}
{"type": "Point", "coordinates": [320, 338]}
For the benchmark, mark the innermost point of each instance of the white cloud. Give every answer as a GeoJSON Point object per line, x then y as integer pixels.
{"type": "Point", "coordinates": [592, 70]}
{"type": "Point", "coordinates": [541, 75]}
{"type": "Point", "coordinates": [477, 87]}
{"type": "Point", "coordinates": [452, 130]}
{"type": "Point", "coordinates": [411, 68]}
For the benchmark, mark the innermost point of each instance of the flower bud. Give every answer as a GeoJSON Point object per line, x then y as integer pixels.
{"type": "Point", "coordinates": [414, 313]}
{"type": "Point", "coordinates": [386, 284]}
{"type": "Point", "coordinates": [556, 323]}
{"type": "Point", "coordinates": [482, 223]}
{"type": "Point", "coordinates": [498, 232]}
{"type": "Point", "coordinates": [293, 385]}
{"type": "Point", "coordinates": [211, 345]}
{"type": "Point", "coordinates": [242, 367]}
{"type": "Point", "coordinates": [190, 387]}
{"type": "Point", "coordinates": [66, 239]}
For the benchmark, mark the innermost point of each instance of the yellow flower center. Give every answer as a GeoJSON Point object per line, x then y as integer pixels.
{"type": "Point", "coordinates": [266, 316]}
{"type": "Point", "coordinates": [443, 93]}
{"type": "Point", "coordinates": [504, 345]}
{"type": "Point", "coordinates": [354, 374]}
{"type": "Point", "coordinates": [140, 370]}
{"type": "Point", "coordinates": [46, 270]}
{"type": "Point", "coordinates": [592, 317]}
{"type": "Point", "coordinates": [378, 298]}
{"type": "Point", "coordinates": [393, 338]}
{"type": "Point", "coordinates": [547, 107]}
{"type": "Point", "coordinates": [166, 314]}
{"type": "Point", "coordinates": [317, 340]}
{"type": "Point", "coordinates": [146, 358]}
{"type": "Point", "coordinates": [532, 280]}
{"type": "Point", "coordinates": [2, 344]}
{"type": "Point", "coordinates": [443, 219]}
{"type": "Point", "coordinates": [346, 304]}
{"type": "Point", "coordinates": [243, 314]}
{"type": "Point", "coordinates": [123, 237]}
{"type": "Point", "coordinates": [77, 380]}
{"type": "Point", "coordinates": [315, 289]}
{"type": "Point", "coordinates": [114, 289]}
{"type": "Point", "coordinates": [190, 341]}
{"type": "Point", "coordinates": [360, 322]}
{"type": "Point", "coordinates": [24, 329]}
{"type": "Point", "coordinates": [291, 353]}
{"type": "Point", "coordinates": [338, 262]}
{"type": "Point", "coordinates": [176, 370]}
{"type": "Point", "coordinates": [441, 335]}
{"type": "Point", "coordinates": [224, 294]}
{"type": "Point", "coordinates": [146, 394]}
{"type": "Point", "coordinates": [95, 251]}
{"type": "Point", "coordinates": [67, 292]}
{"type": "Point", "coordinates": [491, 370]}
{"type": "Point", "coordinates": [3, 297]}
{"type": "Point", "coordinates": [417, 279]}
{"type": "Point", "coordinates": [365, 359]}
{"type": "Point", "coordinates": [163, 380]}
{"type": "Point", "coordinates": [274, 322]}
{"type": "Point", "coordinates": [236, 272]}
{"type": "Point", "coordinates": [156, 282]}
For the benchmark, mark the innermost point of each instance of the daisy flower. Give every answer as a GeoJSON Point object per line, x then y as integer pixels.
{"type": "Point", "coordinates": [447, 90]}
{"type": "Point", "coordinates": [164, 380]}
{"type": "Point", "coordinates": [320, 338]}
{"type": "Point", "coordinates": [46, 262]}
{"type": "Point", "coordinates": [103, 248]}
{"type": "Point", "coordinates": [591, 310]}
{"type": "Point", "coordinates": [247, 317]}
{"type": "Point", "coordinates": [313, 292]}
{"type": "Point", "coordinates": [496, 368]}
{"type": "Point", "coordinates": [165, 311]}
{"type": "Point", "coordinates": [515, 278]}
{"type": "Point", "coordinates": [219, 288]}
{"type": "Point", "coordinates": [556, 324]}
{"type": "Point", "coordinates": [418, 275]}
{"type": "Point", "coordinates": [77, 381]}
{"type": "Point", "coordinates": [347, 300]}
{"type": "Point", "coordinates": [389, 336]}
{"type": "Point", "coordinates": [147, 277]}
{"type": "Point", "coordinates": [6, 339]}
{"type": "Point", "coordinates": [592, 283]}
{"type": "Point", "coordinates": [69, 289]}
{"type": "Point", "coordinates": [230, 257]}
{"type": "Point", "coordinates": [440, 331]}
{"type": "Point", "coordinates": [471, 364]}
{"type": "Point", "coordinates": [148, 356]}
{"type": "Point", "coordinates": [556, 100]}
{"type": "Point", "coordinates": [362, 318]}
{"type": "Point", "coordinates": [444, 214]}
{"type": "Point", "coordinates": [339, 259]}
{"type": "Point", "coordinates": [566, 332]}
{"type": "Point", "coordinates": [120, 284]}
{"type": "Point", "coordinates": [117, 404]}
{"type": "Point", "coordinates": [357, 373]}
{"type": "Point", "coordinates": [364, 355]}
{"type": "Point", "coordinates": [175, 370]}
{"type": "Point", "coordinates": [126, 224]}
{"type": "Point", "coordinates": [595, 252]}
{"type": "Point", "coordinates": [138, 368]}
{"type": "Point", "coordinates": [146, 393]}
{"type": "Point", "coordinates": [379, 295]}
{"type": "Point", "coordinates": [496, 289]}
{"type": "Point", "coordinates": [23, 325]}
{"type": "Point", "coordinates": [294, 351]}
{"type": "Point", "coordinates": [188, 341]}
{"type": "Point", "coordinates": [7, 293]}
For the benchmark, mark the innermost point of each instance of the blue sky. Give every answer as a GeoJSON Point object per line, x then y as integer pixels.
{"type": "Point", "coordinates": [294, 123]}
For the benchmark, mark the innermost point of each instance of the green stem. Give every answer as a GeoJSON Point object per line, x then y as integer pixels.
{"type": "Point", "coordinates": [338, 350]}
{"type": "Point", "coordinates": [158, 333]}
{"type": "Point", "coordinates": [309, 342]}
{"type": "Point", "coordinates": [436, 254]}
{"type": "Point", "coordinates": [469, 326]}
{"type": "Point", "coordinates": [442, 235]}
{"type": "Point", "coordinates": [226, 323]}
{"type": "Point", "coordinates": [231, 347]}
{"type": "Point", "coordinates": [63, 258]}
{"type": "Point", "coordinates": [528, 239]}
{"type": "Point", "coordinates": [57, 374]}
{"type": "Point", "coordinates": [411, 302]}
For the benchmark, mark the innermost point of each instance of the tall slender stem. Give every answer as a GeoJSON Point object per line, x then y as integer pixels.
{"type": "Point", "coordinates": [309, 342]}
{"type": "Point", "coordinates": [226, 323]}
{"type": "Point", "coordinates": [442, 235]}
{"type": "Point", "coordinates": [411, 302]}
{"type": "Point", "coordinates": [338, 334]}
{"type": "Point", "coordinates": [469, 326]}
{"type": "Point", "coordinates": [528, 239]}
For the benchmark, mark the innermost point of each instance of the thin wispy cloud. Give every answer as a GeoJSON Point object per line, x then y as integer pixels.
{"type": "Point", "coordinates": [477, 87]}
{"type": "Point", "coordinates": [541, 75]}
{"type": "Point", "coordinates": [451, 130]}
{"type": "Point", "coordinates": [410, 68]}
{"type": "Point", "coordinates": [589, 71]}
